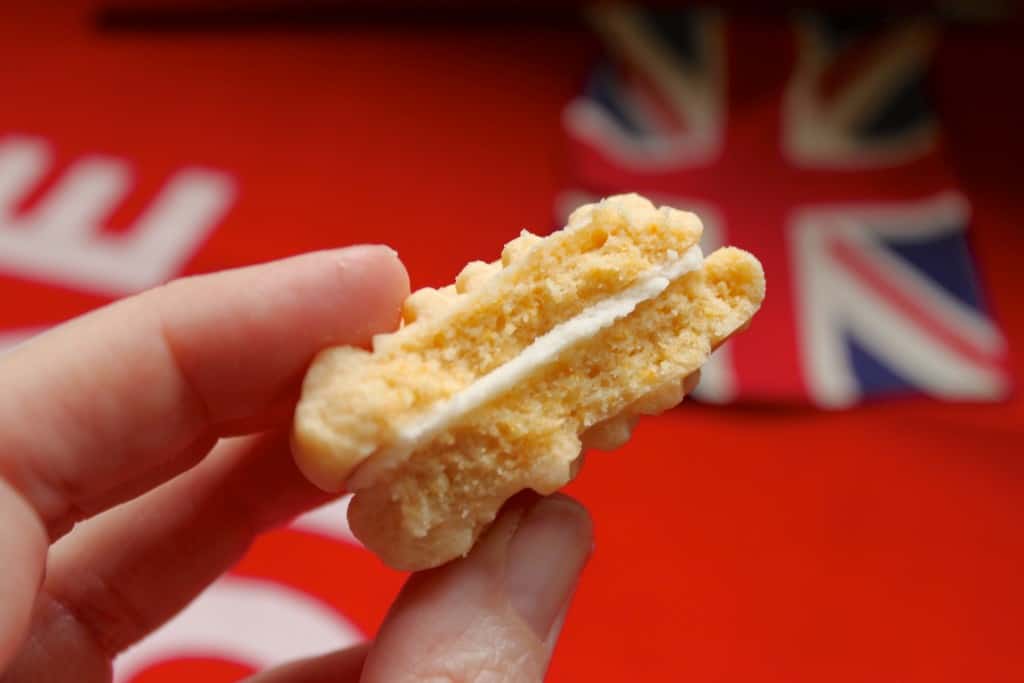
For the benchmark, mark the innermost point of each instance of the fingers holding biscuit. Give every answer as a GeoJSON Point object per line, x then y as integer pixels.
{"type": "Point", "coordinates": [495, 614]}
{"type": "Point", "coordinates": [100, 403]}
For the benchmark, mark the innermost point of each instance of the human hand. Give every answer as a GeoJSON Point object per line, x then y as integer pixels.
{"type": "Point", "coordinates": [118, 424]}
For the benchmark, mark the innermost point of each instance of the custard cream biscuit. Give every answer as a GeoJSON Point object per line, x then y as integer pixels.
{"type": "Point", "coordinates": [497, 383]}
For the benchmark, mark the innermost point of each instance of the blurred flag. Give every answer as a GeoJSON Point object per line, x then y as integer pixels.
{"type": "Point", "coordinates": [813, 145]}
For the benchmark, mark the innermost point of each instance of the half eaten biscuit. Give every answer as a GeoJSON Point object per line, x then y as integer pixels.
{"type": "Point", "coordinates": [497, 383]}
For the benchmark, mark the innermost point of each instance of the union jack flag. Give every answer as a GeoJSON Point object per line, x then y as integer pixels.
{"type": "Point", "coordinates": [812, 144]}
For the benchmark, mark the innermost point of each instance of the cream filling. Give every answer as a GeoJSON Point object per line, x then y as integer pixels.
{"type": "Point", "coordinates": [542, 351]}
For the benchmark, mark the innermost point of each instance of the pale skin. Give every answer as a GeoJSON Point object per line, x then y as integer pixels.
{"type": "Point", "coordinates": [144, 446]}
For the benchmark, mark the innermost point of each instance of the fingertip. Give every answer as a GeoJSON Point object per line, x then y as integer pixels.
{"type": "Point", "coordinates": [568, 503]}
{"type": "Point", "coordinates": [383, 264]}
{"type": "Point", "coordinates": [372, 284]}
{"type": "Point", "coordinates": [569, 513]}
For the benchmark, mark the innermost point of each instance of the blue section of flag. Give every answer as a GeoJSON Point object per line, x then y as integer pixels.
{"type": "Point", "coordinates": [681, 31]}
{"type": "Point", "coordinates": [946, 260]}
{"type": "Point", "coordinates": [840, 30]}
{"type": "Point", "coordinates": [875, 377]}
{"type": "Point", "coordinates": [905, 109]}
{"type": "Point", "coordinates": [606, 92]}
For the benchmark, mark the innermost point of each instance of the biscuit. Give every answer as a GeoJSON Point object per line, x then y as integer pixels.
{"type": "Point", "coordinates": [497, 383]}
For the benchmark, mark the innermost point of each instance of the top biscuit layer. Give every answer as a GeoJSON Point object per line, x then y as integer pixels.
{"type": "Point", "coordinates": [454, 335]}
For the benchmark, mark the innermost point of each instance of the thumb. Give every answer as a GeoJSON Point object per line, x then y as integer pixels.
{"type": "Point", "coordinates": [494, 615]}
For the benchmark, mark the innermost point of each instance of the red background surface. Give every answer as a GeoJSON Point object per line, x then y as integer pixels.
{"type": "Point", "coordinates": [752, 543]}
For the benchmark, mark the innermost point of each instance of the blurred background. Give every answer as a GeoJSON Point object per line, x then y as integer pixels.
{"type": "Point", "coordinates": [843, 501]}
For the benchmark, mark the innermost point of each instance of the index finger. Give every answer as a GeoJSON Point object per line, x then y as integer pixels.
{"type": "Point", "coordinates": [123, 391]}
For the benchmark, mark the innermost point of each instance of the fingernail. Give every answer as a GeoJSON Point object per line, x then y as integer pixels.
{"type": "Point", "coordinates": [359, 252]}
{"type": "Point", "coordinates": [544, 559]}
{"type": "Point", "coordinates": [378, 271]}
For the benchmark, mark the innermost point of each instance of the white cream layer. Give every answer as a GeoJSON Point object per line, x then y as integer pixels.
{"type": "Point", "coordinates": [542, 351]}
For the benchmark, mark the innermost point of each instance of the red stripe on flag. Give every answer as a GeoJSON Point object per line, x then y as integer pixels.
{"type": "Point", "coordinates": [884, 285]}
